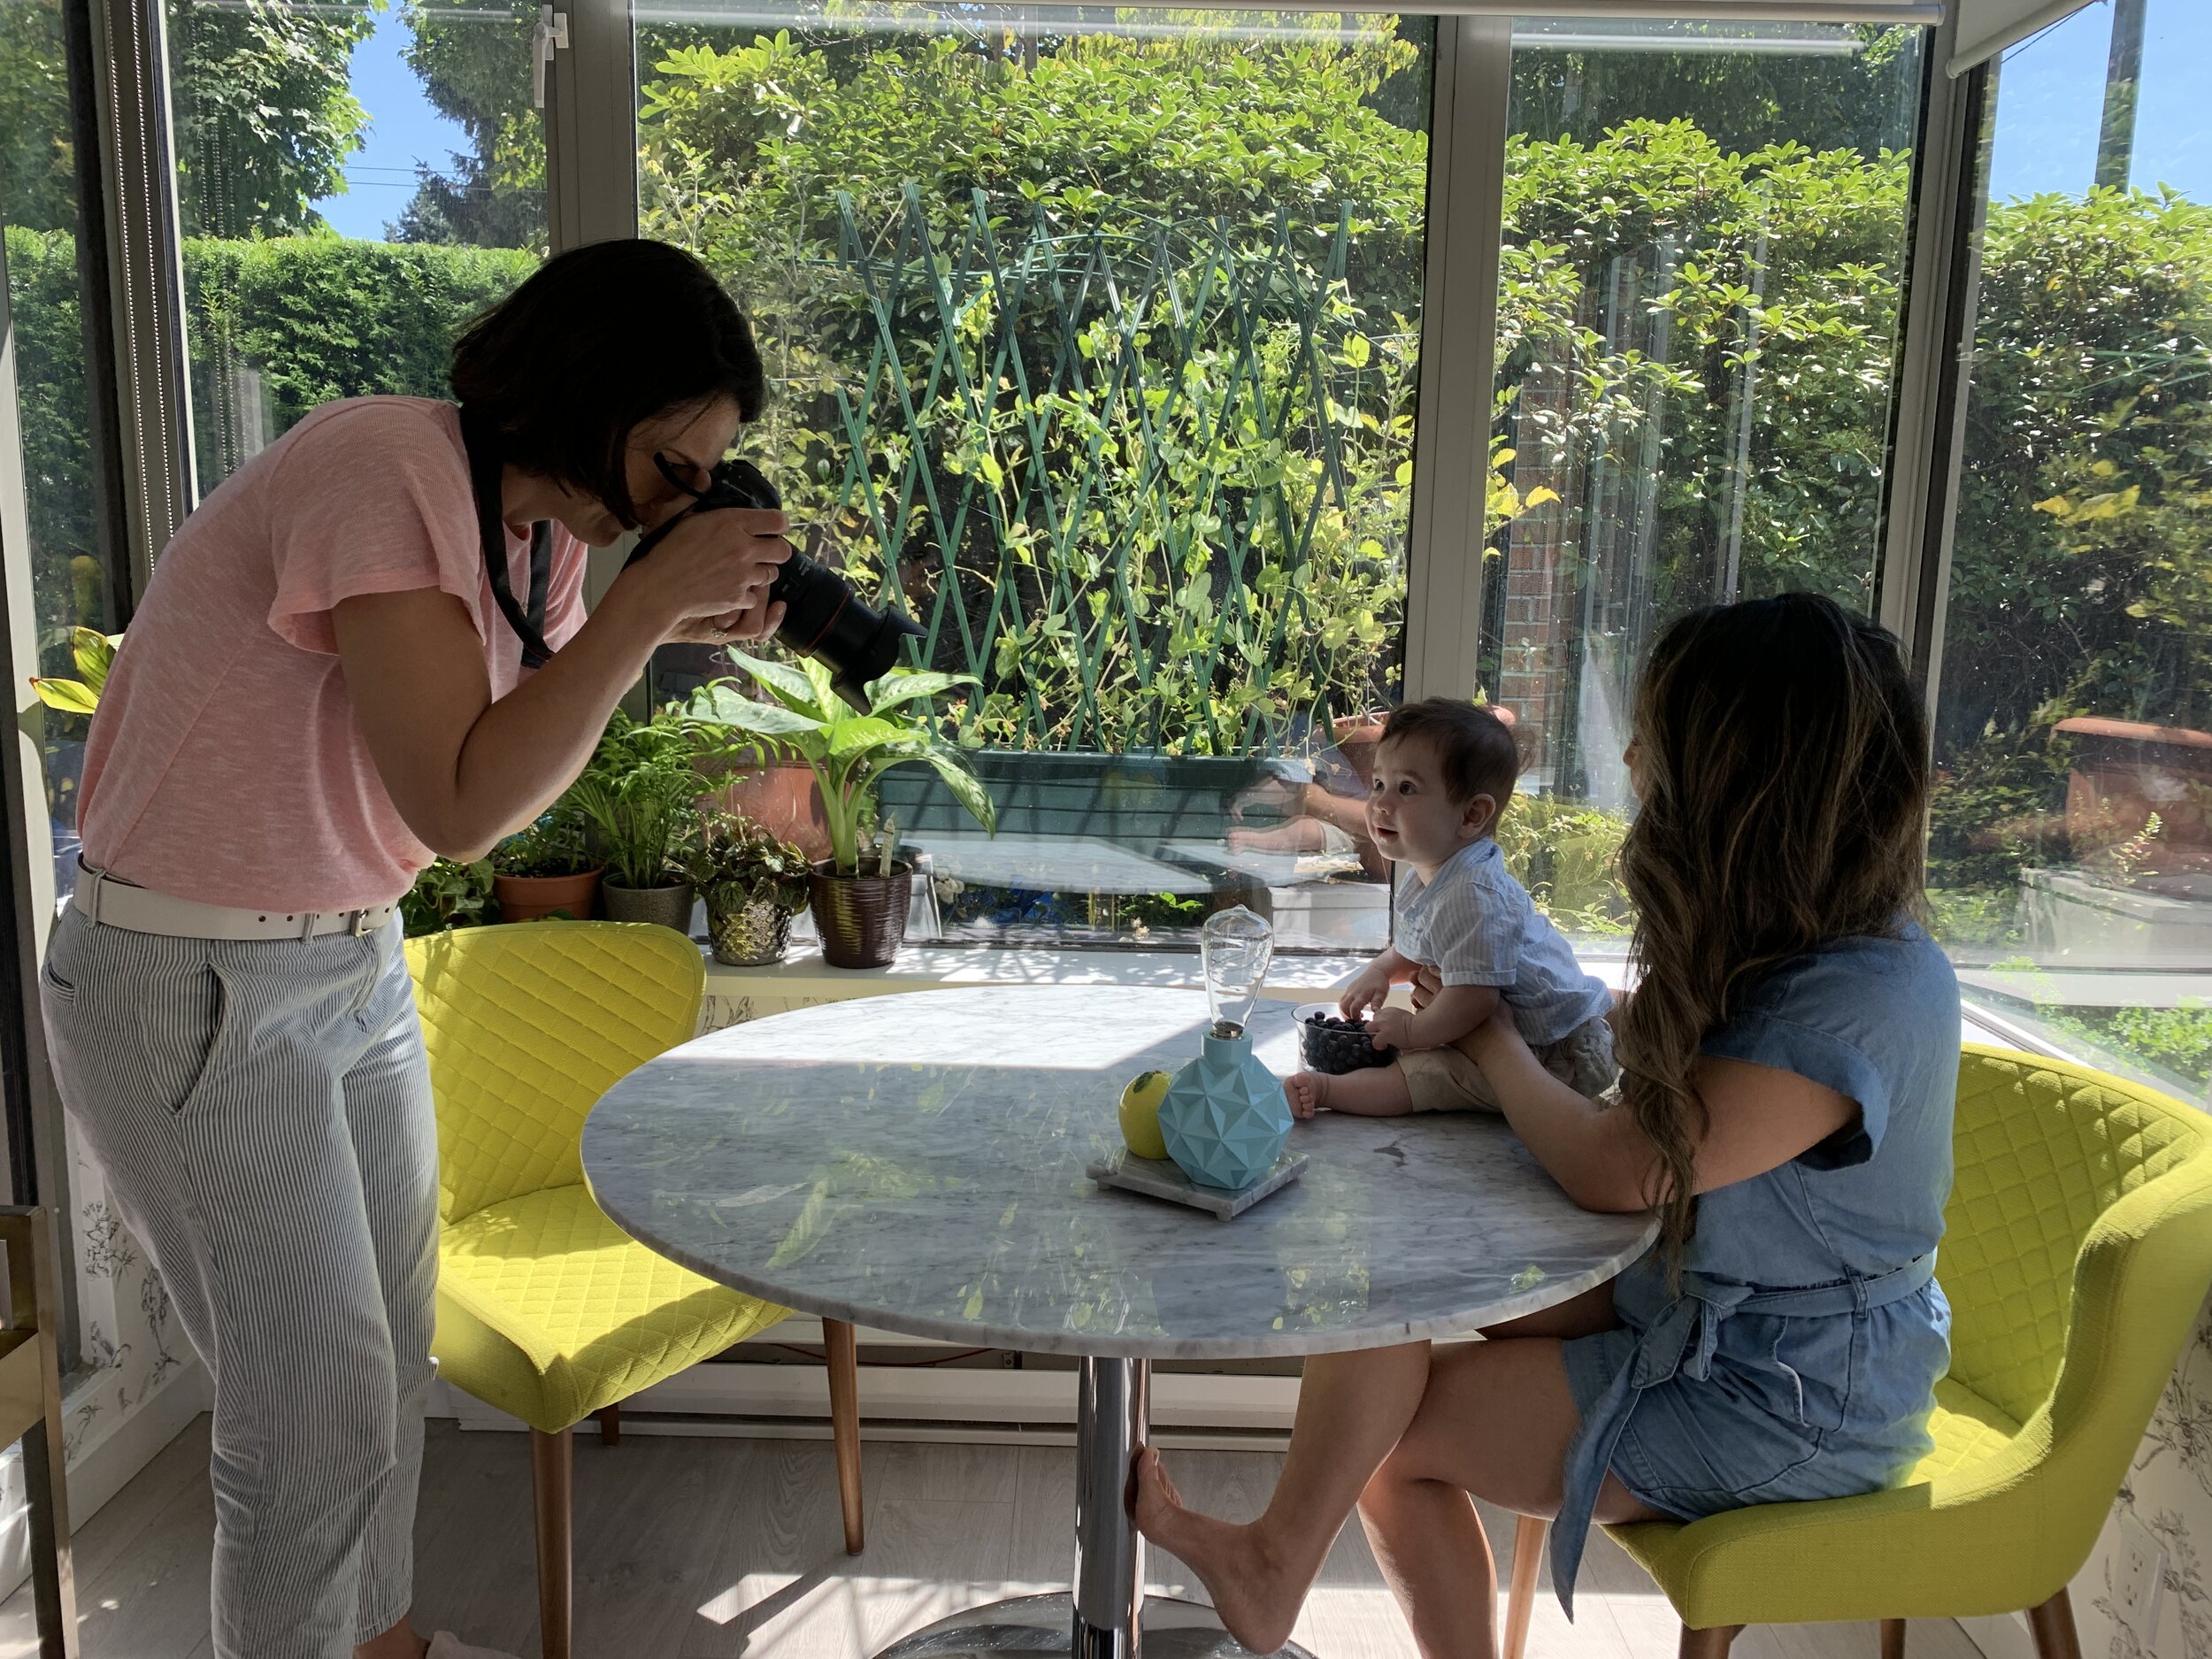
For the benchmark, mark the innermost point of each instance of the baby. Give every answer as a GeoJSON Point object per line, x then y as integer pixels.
{"type": "Point", "coordinates": [1443, 774]}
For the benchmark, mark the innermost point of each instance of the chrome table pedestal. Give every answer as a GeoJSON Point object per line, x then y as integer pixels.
{"type": "Point", "coordinates": [1108, 1614]}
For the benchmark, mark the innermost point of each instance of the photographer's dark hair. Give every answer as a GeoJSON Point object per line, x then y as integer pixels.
{"type": "Point", "coordinates": [1475, 751]}
{"type": "Point", "coordinates": [1785, 764]}
{"type": "Point", "coordinates": [599, 339]}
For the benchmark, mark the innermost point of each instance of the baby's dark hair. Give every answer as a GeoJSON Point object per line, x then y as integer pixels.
{"type": "Point", "coordinates": [1475, 750]}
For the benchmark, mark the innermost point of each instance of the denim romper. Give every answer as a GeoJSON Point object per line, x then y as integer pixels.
{"type": "Point", "coordinates": [1800, 1357]}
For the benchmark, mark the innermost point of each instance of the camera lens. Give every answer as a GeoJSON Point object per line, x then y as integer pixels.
{"type": "Point", "coordinates": [825, 619]}
{"type": "Point", "coordinates": [824, 616]}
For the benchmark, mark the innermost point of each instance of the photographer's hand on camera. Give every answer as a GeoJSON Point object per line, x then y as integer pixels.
{"type": "Point", "coordinates": [711, 577]}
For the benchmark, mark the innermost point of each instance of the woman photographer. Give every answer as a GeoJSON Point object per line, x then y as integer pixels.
{"type": "Point", "coordinates": [322, 689]}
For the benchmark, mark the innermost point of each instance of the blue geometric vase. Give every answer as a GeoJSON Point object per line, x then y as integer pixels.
{"type": "Point", "coordinates": [1225, 1118]}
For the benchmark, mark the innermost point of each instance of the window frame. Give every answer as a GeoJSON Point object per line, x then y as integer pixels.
{"type": "Point", "coordinates": [146, 466]}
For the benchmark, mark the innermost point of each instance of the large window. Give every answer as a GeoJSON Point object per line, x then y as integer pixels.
{"type": "Point", "coordinates": [69, 559]}
{"type": "Point", "coordinates": [1095, 343]}
{"type": "Point", "coordinates": [1704, 245]}
{"type": "Point", "coordinates": [2071, 854]}
{"type": "Point", "coordinates": [354, 181]}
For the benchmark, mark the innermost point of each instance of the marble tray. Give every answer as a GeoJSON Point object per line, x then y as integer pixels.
{"type": "Point", "coordinates": [1161, 1178]}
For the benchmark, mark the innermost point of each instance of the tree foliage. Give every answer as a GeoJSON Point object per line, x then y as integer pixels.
{"type": "Point", "coordinates": [38, 186]}
{"type": "Point", "coordinates": [474, 61]}
{"type": "Point", "coordinates": [264, 110]}
{"type": "Point", "coordinates": [1101, 350]}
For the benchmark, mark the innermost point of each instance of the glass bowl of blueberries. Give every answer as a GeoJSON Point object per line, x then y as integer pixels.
{"type": "Point", "coordinates": [1331, 1043]}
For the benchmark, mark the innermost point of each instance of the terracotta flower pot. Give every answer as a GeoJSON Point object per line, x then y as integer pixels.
{"type": "Point", "coordinates": [664, 907]}
{"type": "Point", "coordinates": [533, 898]}
{"type": "Point", "coordinates": [783, 800]}
{"type": "Point", "coordinates": [862, 919]}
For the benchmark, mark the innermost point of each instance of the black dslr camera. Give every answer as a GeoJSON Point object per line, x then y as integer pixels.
{"type": "Point", "coordinates": [823, 616]}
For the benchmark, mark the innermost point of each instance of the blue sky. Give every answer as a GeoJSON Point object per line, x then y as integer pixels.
{"type": "Point", "coordinates": [2050, 101]}
{"type": "Point", "coordinates": [404, 129]}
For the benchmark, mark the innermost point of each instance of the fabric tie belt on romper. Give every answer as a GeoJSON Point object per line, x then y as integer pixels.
{"type": "Point", "coordinates": [1685, 1339]}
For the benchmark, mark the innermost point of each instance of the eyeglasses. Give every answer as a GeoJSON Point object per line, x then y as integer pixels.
{"type": "Point", "coordinates": [688, 476]}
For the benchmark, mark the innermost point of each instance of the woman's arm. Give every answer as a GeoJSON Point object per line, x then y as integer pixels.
{"type": "Point", "coordinates": [1759, 1118]}
{"type": "Point", "coordinates": [465, 769]}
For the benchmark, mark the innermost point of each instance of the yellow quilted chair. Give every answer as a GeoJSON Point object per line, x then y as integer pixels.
{"type": "Point", "coordinates": [545, 1309]}
{"type": "Point", "coordinates": [2076, 1250]}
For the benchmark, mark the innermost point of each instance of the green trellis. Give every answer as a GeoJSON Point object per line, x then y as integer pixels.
{"type": "Point", "coordinates": [1149, 488]}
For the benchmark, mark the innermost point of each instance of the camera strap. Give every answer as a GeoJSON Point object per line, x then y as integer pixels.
{"type": "Point", "coordinates": [491, 530]}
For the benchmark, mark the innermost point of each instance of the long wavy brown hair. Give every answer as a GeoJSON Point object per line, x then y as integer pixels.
{"type": "Point", "coordinates": [1784, 771]}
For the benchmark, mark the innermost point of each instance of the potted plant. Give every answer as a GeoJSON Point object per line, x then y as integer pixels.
{"type": "Point", "coordinates": [860, 894]}
{"type": "Point", "coordinates": [548, 869]}
{"type": "Point", "coordinates": [448, 895]}
{"type": "Point", "coordinates": [754, 883]}
{"type": "Point", "coordinates": [639, 794]}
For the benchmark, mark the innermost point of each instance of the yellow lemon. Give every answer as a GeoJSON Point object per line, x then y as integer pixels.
{"type": "Point", "coordinates": [1140, 1114]}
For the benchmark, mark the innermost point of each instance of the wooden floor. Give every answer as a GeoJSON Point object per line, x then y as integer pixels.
{"type": "Point", "coordinates": [708, 1548]}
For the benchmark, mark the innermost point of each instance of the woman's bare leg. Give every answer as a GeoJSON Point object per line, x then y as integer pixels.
{"type": "Point", "coordinates": [1352, 1408]}
{"type": "Point", "coordinates": [1494, 1422]}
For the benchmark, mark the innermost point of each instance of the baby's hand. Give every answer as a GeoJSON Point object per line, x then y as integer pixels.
{"type": "Point", "coordinates": [1390, 1028]}
{"type": "Point", "coordinates": [1367, 991]}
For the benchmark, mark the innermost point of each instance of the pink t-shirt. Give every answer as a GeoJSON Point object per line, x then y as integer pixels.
{"type": "Point", "coordinates": [225, 764]}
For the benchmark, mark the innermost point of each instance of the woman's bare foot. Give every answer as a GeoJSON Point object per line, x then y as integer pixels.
{"type": "Point", "coordinates": [1256, 1596]}
{"type": "Point", "coordinates": [1307, 1092]}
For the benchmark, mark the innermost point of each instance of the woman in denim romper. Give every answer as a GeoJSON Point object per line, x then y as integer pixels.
{"type": "Point", "coordinates": [1789, 1061]}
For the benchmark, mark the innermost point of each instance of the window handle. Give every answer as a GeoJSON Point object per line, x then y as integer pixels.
{"type": "Point", "coordinates": [549, 36]}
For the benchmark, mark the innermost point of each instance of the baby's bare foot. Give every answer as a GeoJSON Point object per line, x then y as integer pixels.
{"type": "Point", "coordinates": [1254, 1595]}
{"type": "Point", "coordinates": [1308, 1091]}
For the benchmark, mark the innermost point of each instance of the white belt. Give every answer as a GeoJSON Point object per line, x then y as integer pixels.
{"type": "Point", "coordinates": [141, 911]}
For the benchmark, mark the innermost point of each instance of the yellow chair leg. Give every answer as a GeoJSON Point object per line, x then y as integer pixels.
{"type": "Point", "coordinates": [610, 1425]}
{"type": "Point", "coordinates": [1893, 1639]}
{"type": "Point", "coordinates": [844, 1360]}
{"type": "Point", "coordinates": [1708, 1644]}
{"type": "Point", "coordinates": [2051, 1625]}
{"type": "Point", "coordinates": [552, 1482]}
{"type": "Point", "coordinates": [1528, 1532]}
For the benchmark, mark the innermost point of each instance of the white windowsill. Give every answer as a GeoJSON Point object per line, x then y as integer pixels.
{"type": "Point", "coordinates": [734, 995]}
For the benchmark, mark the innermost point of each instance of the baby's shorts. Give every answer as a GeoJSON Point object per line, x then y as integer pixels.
{"type": "Point", "coordinates": [1446, 1080]}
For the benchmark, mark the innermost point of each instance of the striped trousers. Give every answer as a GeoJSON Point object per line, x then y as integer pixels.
{"type": "Point", "coordinates": [262, 1111]}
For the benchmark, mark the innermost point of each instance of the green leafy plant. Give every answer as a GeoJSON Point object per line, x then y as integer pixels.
{"type": "Point", "coordinates": [448, 895]}
{"type": "Point", "coordinates": [847, 749]}
{"type": "Point", "coordinates": [95, 654]}
{"type": "Point", "coordinates": [639, 792]}
{"type": "Point", "coordinates": [736, 862]}
{"type": "Point", "coordinates": [1565, 854]}
{"type": "Point", "coordinates": [558, 844]}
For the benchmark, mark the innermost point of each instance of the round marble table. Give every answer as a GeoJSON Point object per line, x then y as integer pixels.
{"type": "Point", "coordinates": [915, 1162]}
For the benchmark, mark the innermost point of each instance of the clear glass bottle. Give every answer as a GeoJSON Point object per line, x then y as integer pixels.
{"type": "Point", "coordinates": [1236, 947]}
